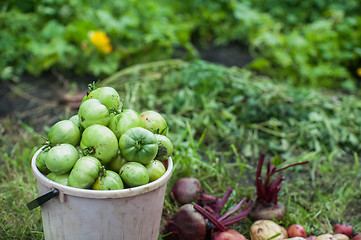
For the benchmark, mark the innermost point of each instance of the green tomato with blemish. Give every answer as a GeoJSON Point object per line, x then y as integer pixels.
{"type": "Point", "coordinates": [108, 96]}
{"type": "Point", "coordinates": [155, 170]}
{"type": "Point", "coordinates": [138, 145]}
{"type": "Point", "coordinates": [84, 173]}
{"type": "Point", "coordinates": [91, 112]}
{"type": "Point", "coordinates": [100, 142]}
{"type": "Point", "coordinates": [108, 180]}
{"type": "Point", "coordinates": [165, 147]}
{"type": "Point", "coordinates": [123, 121]}
{"type": "Point", "coordinates": [134, 174]}
{"type": "Point", "coordinates": [154, 122]}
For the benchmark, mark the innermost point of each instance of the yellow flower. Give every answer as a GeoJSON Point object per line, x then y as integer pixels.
{"type": "Point", "coordinates": [359, 72]}
{"type": "Point", "coordinates": [100, 40]}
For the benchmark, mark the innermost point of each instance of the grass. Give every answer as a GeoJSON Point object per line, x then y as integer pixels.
{"type": "Point", "coordinates": [221, 120]}
{"type": "Point", "coordinates": [17, 184]}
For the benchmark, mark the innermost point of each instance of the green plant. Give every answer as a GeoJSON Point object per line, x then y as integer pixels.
{"type": "Point", "coordinates": [220, 119]}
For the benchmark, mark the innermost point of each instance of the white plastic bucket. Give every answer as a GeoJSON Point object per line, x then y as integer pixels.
{"type": "Point", "coordinates": [126, 214]}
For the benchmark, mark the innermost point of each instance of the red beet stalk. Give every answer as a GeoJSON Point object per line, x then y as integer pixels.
{"type": "Point", "coordinates": [267, 191]}
{"type": "Point", "coordinates": [221, 222]}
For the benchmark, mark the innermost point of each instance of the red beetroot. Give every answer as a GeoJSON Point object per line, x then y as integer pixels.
{"type": "Point", "coordinates": [186, 224]}
{"type": "Point", "coordinates": [344, 229]}
{"type": "Point", "coordinates": [267, 205]}
{"type": "Point", "coordinates": [296, 230]}
{"type": "Point", "coordinates": [357, 237]}
{"type": "Point", "coordinates": [230, 234]}
{"type": "Point", "coordinates": [187, 190]}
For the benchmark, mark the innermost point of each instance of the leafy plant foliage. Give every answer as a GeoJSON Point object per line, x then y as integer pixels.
{"type": "Point", "coordinates": [302, 42]}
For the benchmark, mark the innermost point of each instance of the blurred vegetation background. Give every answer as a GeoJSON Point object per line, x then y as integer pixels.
{"type": "Point", "coordinates": [308, 43]}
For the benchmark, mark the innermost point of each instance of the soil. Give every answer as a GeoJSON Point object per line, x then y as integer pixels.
{"type": "Point", "coordinates": [41, 101]}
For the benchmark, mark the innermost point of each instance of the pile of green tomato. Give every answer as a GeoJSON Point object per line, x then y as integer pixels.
{"type": "Point", "coordinates": [106, 147]}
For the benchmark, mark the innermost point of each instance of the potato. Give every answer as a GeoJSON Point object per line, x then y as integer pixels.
{"type": "Point", "coordinates": [341, 236]}
{"type": "Point", "coordinates": [295, 238]}
{"type": "Point", "coordinates": [325, 236]}
{"type": "Point", "coordinates": [264, 229]}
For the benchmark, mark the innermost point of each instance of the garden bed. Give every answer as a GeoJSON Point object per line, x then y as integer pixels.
{"type": "Point", "coordinates": [220, 119]}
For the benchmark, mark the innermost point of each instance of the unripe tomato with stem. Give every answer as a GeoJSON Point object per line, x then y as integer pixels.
{"type": "Point", "coordinates": [124, 120]}
{"type": "Point", "coordinates": [155, 169]}
{"type": "Point", "coordinates": [154, 122]}
{"type": "Point", "coordinates": [64, 131]}
{"type": "Point", "coordinates": [108, 96]}
{"type": "Point", "coordinates": [93, 112]}
{"type": "Point", "coordinates": [138, 145]}
{"type": "Point", "coordinates": [108, 180]}
{"type": "Point", "coordinates": [84, 173]}
{"type": "Point", "coordinates": [61, 158]}
{"type": "Point", "coordinates": [100, 142]}
{"type": "Point", "coordinates": [165, 147]}
{"type": "Point", "coordinates": [134, 174]}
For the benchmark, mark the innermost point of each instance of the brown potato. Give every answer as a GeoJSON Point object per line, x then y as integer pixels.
{"type": "Point", "coordinates": [264, 229]}
{"type": "Point", "coordinates": [340, 236]}
{"type": "Point", "coordinates": [295, 238]}
{"type": "Point", "coordinates": [325, 236]}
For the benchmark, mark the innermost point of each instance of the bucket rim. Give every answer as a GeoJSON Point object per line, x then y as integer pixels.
{"type": "Point", "coordinates": [101, 194]}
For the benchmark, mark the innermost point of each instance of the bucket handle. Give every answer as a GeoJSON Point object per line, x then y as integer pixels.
{"type": "Point", "coordinates": [42, 199]}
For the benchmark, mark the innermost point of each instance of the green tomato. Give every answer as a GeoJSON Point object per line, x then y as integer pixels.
{"type": "Point", "coordinates": [125, 120]}
{"type": "Point", "coordinates": [59, 178]}
{"type": "Point", "coordinates": [76, 120]}
{"type": "Point", "coordinates": [93, 112]}
{"type": "Point", "coordinates": [155, 170]}
{"type": "Point", "coordinates": [165, 147]}
{"type": "Point", "coordinates": [134, 174]}
{"type": "Point", "coordinates": [100, 142]}
{"type": "Point", "coordinates": [85, 98]}
{"type": "Point", "coordinates": [64, 131]}
{"type": "Point", "coordinates": [108, 96]}
{"type": "Point", "coordinates": [84, 173]}
{"type": "Point", "coordinates": [154, 122]}
{"type": "Point", "coordinates": [109, 180]}
{"type": "Point", "coordinates": [138, 145]}
{"type": "Point", "coordinates": [61, 158]}
{"type": "Point", "coordinates": [117, 162]}
{"type": "Point", "coordinates": [40, 162]}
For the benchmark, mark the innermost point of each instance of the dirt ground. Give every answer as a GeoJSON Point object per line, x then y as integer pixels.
{"type": "Point", "coordinates": [41, 101]}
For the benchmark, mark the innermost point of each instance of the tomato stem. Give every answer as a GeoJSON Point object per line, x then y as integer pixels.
{"type": "Point", "coordinates": [94, 85]}
{"type": "Point", "coordinates": [139, 144]}
{"type": "Point", "coordinates": [88, 151]}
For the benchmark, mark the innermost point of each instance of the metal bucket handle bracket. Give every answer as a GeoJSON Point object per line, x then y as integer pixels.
{"type": "Point", "coordinates": [44, 198]}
